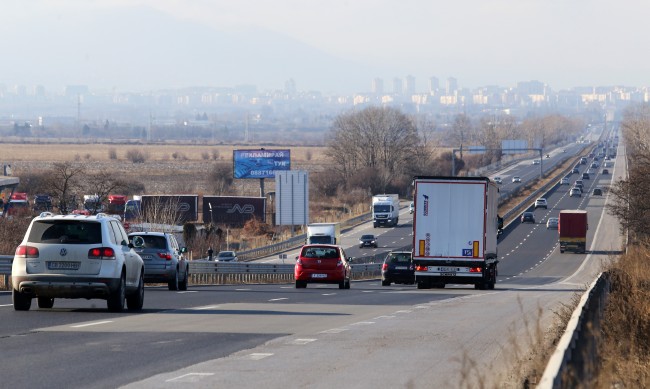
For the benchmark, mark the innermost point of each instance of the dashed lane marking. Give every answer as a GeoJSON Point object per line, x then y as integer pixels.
{"type": "Point", "coordinates": [190, 377]}
{"type": "Point", "coordinates": [92, 324]}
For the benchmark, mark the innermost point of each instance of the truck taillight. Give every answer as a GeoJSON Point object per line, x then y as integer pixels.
{"type": "Point", "coordinates": [421, 268]}
{"type": "Point", "coordinates": [101, 253]}
{"type": "Point", "coordinates": [26, 252]}
{"type": "Point", "coordinates": [166, 256]}
{"type": "Point", "coordinates": [475, 270]}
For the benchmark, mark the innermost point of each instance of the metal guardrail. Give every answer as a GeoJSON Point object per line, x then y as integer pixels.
{"type": "Point", "coordinates": [5, 270]}
{"type": "Point", "coordinates": [575, 360]}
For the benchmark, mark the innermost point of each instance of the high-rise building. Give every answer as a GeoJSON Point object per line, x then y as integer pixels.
{"type": "Point", "coordinates": [409, 88]}
{"type": "Point", "coordinates": [434, 84]}
{"type": "Point", "coordinates": [378, 86]}
{"type": "Point", "coordinates": [398, 86]}
{"type": "Point", "coordinates": [452, 86]}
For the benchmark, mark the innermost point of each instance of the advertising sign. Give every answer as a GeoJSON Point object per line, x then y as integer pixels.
{"type": "Point", "coordinates": [292, 198]}
{"type": "Point", "coordinates": [233, 211]}
{"type": "Point", "coordinates": [181, 208]}
{"type": "Point", "coordinates": [260, 163]}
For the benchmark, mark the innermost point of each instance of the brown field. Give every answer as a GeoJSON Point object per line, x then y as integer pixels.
{"type": "Point", "coordinates": [47, 152]}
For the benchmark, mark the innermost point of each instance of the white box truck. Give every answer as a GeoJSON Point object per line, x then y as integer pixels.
{"type": "Point", "coordinates": [327, 233]}
{"type": "Point", "coordinates": [455, 228]}
{"type": "Point", "coordinates": [385, 210]}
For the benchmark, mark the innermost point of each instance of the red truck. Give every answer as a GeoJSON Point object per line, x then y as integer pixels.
{"type": "Point", "coordinates": [572, 229]}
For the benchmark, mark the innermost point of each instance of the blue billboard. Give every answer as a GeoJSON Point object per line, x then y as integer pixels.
{"type": "Point", "coordinates": [260, 163]}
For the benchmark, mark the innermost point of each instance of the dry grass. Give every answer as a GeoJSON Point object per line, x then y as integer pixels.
{"type": "Point", "coordinates": [102, 152]}
{"type": "Point", "coordinates": [625, 346]}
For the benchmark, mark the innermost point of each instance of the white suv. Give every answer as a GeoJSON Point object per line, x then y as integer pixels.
{"type": "Point", "coordinates": [77, 256]}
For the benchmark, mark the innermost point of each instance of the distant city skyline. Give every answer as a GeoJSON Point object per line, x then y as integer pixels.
{"type": "Point", "coordinates": [335, 46]}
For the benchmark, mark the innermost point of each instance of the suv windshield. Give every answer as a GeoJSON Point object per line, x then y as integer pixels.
{"type": "Point", "coordinates": [66, 231]}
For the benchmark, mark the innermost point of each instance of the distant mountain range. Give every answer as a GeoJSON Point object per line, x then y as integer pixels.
{"type": "Point", "coordinates": [141, 49]}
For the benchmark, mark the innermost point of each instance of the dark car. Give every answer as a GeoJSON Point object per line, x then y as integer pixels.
{"type": "Point", "coordinates": [585, 176]}
{"type": "Point", "coordinates": [597, 192]}
{"type": "Point", "coordinates": [398, 268]}
{"type": "Point", "coordinates": [227, 256]}
{"type": "Point", "coordinates": [605, 172]}
{"type": "Point", "coordinates": [575, 170]}
{"type": "Point", "coordinates": [322, 264]}
{"type": "Point", "coordinates": [528, 217]}
{"type": "Point", "coordinates": [368, 240]}
{"type": "Point", "coordinates": [164, 259]}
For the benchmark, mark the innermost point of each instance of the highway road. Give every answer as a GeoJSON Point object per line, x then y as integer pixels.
{"type": "Point", "coordinates": [276, 336]}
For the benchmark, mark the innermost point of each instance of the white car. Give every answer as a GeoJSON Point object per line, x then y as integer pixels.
{"type": "Point", "coordinates": [76, 256]}
{"type": "Point", "coordinates": [565, 181]}
{"type": "Point", "coordinates": [541, 203]}
{"type": "Point", "coordinates": [411, 207]}
{"type": "Point", "coordinates": [516, 179]}
{"type": "Point", "coordinates": [498, 180]}
{"type": "Point", "coordinates": [552, 222]}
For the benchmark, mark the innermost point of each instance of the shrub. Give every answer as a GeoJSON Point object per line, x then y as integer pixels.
{"type": "Point", "coordinates": [112, 154]}
{"type": "Point", "coordinates": [136, 156]}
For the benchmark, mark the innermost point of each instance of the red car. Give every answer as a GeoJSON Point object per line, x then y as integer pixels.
{"type": "Point", "coordinates": [322, 264]}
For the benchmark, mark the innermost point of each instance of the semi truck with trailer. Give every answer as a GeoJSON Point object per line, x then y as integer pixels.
{"type": "Point", "coordinates": [455, 229]}
{"type": "Point", "coordinates": [572, 229]}
{"type": "Point", "coordinates": [385, 210]}
{"type": "Point", "coordinates": [324, 233]}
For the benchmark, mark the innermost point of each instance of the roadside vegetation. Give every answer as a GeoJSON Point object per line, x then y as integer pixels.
{"type": "Point", "coordinates": [625, 343]}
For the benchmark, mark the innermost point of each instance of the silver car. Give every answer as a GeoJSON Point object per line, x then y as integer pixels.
{"type": "Point", "coordinates": [76, 256]}
{"type": "Point", "coordinates": [226, 256]}
{"type": "Point", "coordinates": [164, 260]}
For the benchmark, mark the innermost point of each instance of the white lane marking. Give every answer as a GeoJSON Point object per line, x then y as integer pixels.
{"type": "Point", "coordinates": [188, 291]}
{"type": "Point", "coordinates": [190, 377]}
{"type": "Point", "coordinates": [278, 299]}
{"type": "Point", "coordinates": [384, 317]}
{"type": "Point", "coordinates": [404, 311]}
{"type": "Point", "coordinates": [258, 356]}
{"type": "Point", "coordinates": [207, 307]}
{"type": "Point", "coordinates": [6, 305]}
{"type": "Point", "coordinates": [329, 294]}
{"type": "Point", "coordinates": [362, 323]}
{"type": "Point", "coordinates": [301, 341]}
{"type": "Point", "coordinates": [333, 331]}
{"type": "Point", "coordinates": [368, 291]}
{"type": "Point", "coordinates": [286, 287]}
{"type": "Point", "coordinates": [244, 290]}
{"type": "Point", "coordinates": [92, 324]}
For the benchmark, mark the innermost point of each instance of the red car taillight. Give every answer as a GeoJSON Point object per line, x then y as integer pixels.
{"type": "Point", "coordinates": [26, 252]}
{"type": "Point", "coordinates": [166, 256]}
{"type": "Point", "coordinates": [101, 253]}
{"type": "Point", "coordinates": [384, 267]}
{"type": "Point", "coordinates": [298, 262]}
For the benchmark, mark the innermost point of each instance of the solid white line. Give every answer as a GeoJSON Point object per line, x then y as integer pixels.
{"type": "Point", "coordinates": [278, 299]}
{"type": "Point", "coordinates": [92, 324]}
{"type": "Point", "coordinates": [189, 375]}
{"type": "Point", "coordinates": [208, 307]}
{"type": "Point", "coordinates": [6, 305]}
{"type": "Point", "coordinates": [258, 356]}
{"type": "Point", "coordinates": [188, 291]}
{"type": "Point", "coordinates": [329, 294]}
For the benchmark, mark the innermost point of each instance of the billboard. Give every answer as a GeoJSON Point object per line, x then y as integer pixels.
{"type": "Point", "coordinates": [514, 146]}
{"type": "Point", "coordinates": [233, 210]}
{"type": "Point", "coordinates": [260, 163]}
{"type": "Point", "coordinates": [292, 198]}
{"type": "Point", "coordinates": [165, 208]}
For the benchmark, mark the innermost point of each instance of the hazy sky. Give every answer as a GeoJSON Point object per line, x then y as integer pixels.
{"type": "Point", "coordinates": [335, 45]}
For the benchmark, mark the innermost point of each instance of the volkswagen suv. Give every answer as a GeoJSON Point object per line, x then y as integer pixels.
{"type": "Point", "coordinates": [76, 256]}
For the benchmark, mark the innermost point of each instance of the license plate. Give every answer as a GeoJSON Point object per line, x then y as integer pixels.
{"type": "Point", "coordinates": [447, 269]}
{"type": "Point", "coordinates": [319, 276]}
{"type": "Point", "coordinates": [146, 256]}
{"type": "Point", "coordinates": [448, 274]}
{"type": "Point", "coordinates": [63, 265]}
{"type": "Point", "coordinates": [400, 268]}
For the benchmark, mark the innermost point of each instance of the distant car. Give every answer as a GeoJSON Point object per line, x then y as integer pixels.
{"type": "Point", "coordinates": [398, 268]}
{"type": "Point", "coordinates": [594, 165]}
{"type": "Point", "coordinates": [528, 217]}
{"type": "Point", "coordinates": [411, 207]}
{"type": "Point", "coordinates": [575, 192]}
{"type": "Point", "coordinates": [227, 256]}
{"type": "Point", "coordinates": [498, 180]}
{"type": "Point", "coordinates": [564, 181]}
{"type": "Point", "coordinates": [536, 161]}
{"type": "Point", "coordinates": [585, 176]}
{"type": "Point", "coordinates": [575, 170]}
{"type": "Point", "coordinates": [164, 260]}
{"type": "Point", "coordinates": [72, 257]}
{"type": "Point", "coordinates": [541, 203]}
{"type": "Point", "coordinates": [605, 172]}
{"type": "Point", "coordinates": [552, 222]}
{"type": "Point", "coordinates": [322, 264]}
{"type": "Point", "coordinates": [578, 184]}
{"type": "Point", "coordinates": [597, 192]}
{"type": "Point", "coordinates": [516, 179]}
{"type": "Point", "coordinates": [367, 240]}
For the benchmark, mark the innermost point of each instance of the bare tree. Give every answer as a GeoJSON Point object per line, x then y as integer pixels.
{"type": "Point", "coordinates": [380, 138]}
{"type": "Point", "coordinates": [221, 178]}
{"type": "Point", "coordinates": [63, 184]}
{"type": "Point", "coordinates": [161, 214]}
{"type": "Point", "coordinates": [461, 131]}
